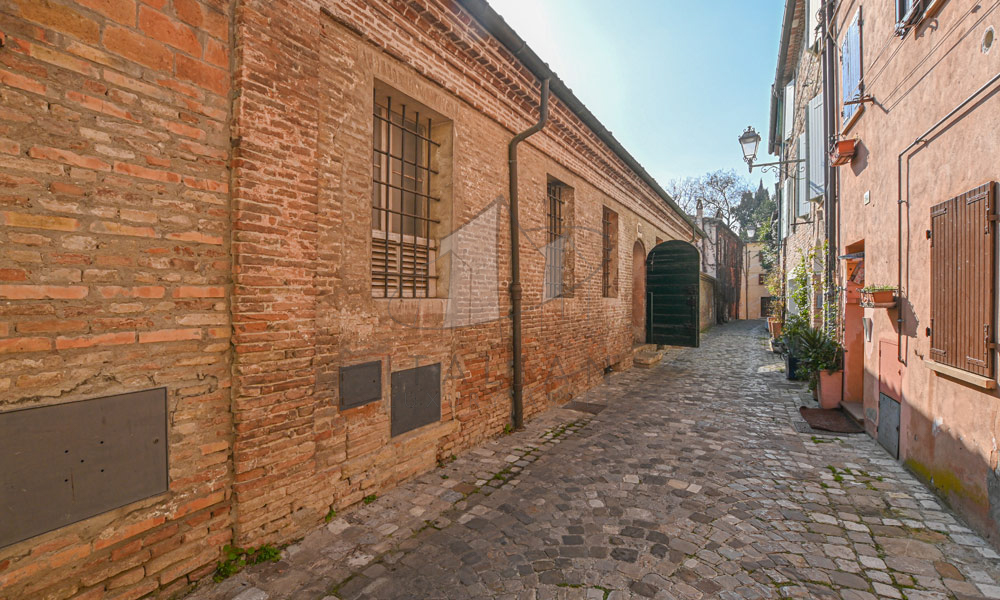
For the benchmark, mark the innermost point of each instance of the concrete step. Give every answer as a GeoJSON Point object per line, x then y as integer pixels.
{"type": "Point", "coordinates": [856, 410]}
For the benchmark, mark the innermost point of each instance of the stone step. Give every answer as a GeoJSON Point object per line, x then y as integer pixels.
{"type": "Point", "coordinates": [647, 358]}
{"type": "Point", "coordinates": [636, 349]}
{"type": "Point", "coordinates": [856, 410]}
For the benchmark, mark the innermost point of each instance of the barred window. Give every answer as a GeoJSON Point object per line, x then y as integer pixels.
{"type": "Point", "coordinates": [609, 257]}
{"type": "Point", "coordinates": [555, 242]}
{"type": "Point", "coordinates": [404, 247]}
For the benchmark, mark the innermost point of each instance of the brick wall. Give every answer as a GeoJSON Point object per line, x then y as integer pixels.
{"type": "Point", "coordinates": [141, 168]}
{"type": "Point", "coordinates": [114, 266]}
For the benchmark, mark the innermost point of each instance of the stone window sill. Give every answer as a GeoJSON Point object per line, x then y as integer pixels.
{"type": "Point", "coordinates": [976, 380]}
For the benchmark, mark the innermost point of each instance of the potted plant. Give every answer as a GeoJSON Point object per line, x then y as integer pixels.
{"type": "Point", "coordinates": [822, 359]}
{"type": "Point", "coordinates": [878, 296]}
{"type": "Point", "coordinates": [774, 320]}
{"type": "Point", "coordinates": [791, 338]}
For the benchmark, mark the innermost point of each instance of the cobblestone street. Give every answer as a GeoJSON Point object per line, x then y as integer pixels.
{"type": "Point", "coordinates": [692, 482]}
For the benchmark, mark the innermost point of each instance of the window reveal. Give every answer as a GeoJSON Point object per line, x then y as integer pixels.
{"type": "Point", "coordinates": [403, 249]}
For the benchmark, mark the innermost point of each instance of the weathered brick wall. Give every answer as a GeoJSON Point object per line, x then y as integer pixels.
{"type": "Point", "coordinates": [302, 301]}
{"type": "Point", "coordinates": [114, 266]}
{"type": "Point", "coordinates": [124, 216]}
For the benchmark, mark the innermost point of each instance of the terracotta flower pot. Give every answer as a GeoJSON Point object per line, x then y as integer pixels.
{"type": "Point", "coordinates": [774, 327]}
{"type": "Point", "coordinates": [830, 389]}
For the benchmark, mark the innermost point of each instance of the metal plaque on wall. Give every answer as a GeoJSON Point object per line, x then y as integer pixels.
{"type": "Point", "coordinates": [888, 424]}
{"type": "Point", "coordinates": [416, 398]}
{"type": "Point", "coordinates": [360, 384]}
{"type": "Point", "coordinates": [64, 463]}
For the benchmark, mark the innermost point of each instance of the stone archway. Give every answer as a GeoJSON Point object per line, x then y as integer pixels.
{"type": "Point", "coordinates": [638, 293]}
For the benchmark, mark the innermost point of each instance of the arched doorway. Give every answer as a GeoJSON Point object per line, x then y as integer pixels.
{"type": "Point", "coordinates": [673, 292]}
{"type": "Point", "coordinates": [638, 293]}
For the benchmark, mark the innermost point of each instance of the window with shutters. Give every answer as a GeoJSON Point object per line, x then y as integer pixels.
{"type": "Point", "coordinates": [850, 71]}
{"type": "Point", "coordinates": [801, 171]}
{"type": "Point", "coordinates": [408, 218]}
{"type": "Point", "coordinates": [908, 13]}
{"type": "Point", "coordinates": [609, 253]}
{"type": "Point", "coordinates": [817, 148]}
{"type": "Point", "coordinates": [963, 266]}
{"type": "Point", "coordinates": [813, 7]}
{"type": "Point", "coordinates": [789, 119]}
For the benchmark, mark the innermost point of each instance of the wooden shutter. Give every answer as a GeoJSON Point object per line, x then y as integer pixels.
{"type": "Point", "coordinates": [850, 66]}
{"type": "Point", "coordinates": [788, 214]}
{"type": "Point", "coordinates": [963, 263]}
{"type": "Point", "coordinates": [817, 148]}
{"type": "Point", "coordinates": [801, 171]}
{"type": "Point", "coordinates": [813, 6]}
{"type": "Point", "coordinates": [789, 108]}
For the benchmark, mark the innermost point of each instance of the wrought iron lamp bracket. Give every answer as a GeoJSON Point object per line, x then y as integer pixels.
{"type": "Point", "coordinates": [773, 167]}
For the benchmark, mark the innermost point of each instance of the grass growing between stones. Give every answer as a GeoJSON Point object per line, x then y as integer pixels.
{"type": "Point", "coordinates": [237, 558]}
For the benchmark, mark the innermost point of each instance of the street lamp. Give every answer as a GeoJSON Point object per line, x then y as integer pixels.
{"type": "Point", "coordinates": [749, 142]}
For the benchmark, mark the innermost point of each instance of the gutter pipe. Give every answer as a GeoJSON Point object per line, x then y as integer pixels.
{"type": "Point", "coordinates": [494, 24]}
{"type": "Point", "coordinates": [899, 202]}
{"type": "Point", "coordinates": [515, 253]}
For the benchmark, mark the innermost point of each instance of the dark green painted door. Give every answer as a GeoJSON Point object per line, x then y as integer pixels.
{"type": "Point", "coordinates": [673, 287]}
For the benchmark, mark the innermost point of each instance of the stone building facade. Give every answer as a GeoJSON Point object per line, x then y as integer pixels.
{"type": "Point", "coordinates": [797, 133]}
{"type": "Point", "coordinates": [188, 191]}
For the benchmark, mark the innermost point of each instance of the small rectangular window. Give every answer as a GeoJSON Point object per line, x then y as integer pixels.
{"type": "Point", "coordinates": [555, 240]}
{"type": "Point", "coordinates": [609, 262]}
{"type": "Point", "coordinates": [761, 279]}
{"type": "Point", "coordinates": [404, 202]}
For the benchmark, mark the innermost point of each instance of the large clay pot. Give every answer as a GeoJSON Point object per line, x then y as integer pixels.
{"type": "Point", "coordinates": [774, 327]}
{"type": "Point", "coordinates": [830, 390]}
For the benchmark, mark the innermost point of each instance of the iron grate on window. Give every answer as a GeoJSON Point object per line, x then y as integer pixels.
{"type": "Point", "coordinates": [403, 249]}
{"type": "Point", "coordinates": [609, 247]}
{"type": "Point", "coordinates": [554, 246]}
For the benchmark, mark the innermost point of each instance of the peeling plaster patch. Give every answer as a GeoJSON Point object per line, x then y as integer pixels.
{"type": "Point", "coordinates": [936, 427]}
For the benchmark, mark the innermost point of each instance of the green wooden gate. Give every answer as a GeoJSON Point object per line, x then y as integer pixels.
{"type": "Point", "coordinates": [673, 287]}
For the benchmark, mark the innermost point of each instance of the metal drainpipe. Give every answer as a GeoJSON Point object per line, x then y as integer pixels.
{"type": "Point", "coordinates": [831, 200]}
{"type": "Point", "coordinates": [899, 205]}
{"type": "Point", "coordinates": [515, 254]}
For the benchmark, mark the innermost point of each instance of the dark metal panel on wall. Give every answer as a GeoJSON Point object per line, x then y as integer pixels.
{"type": "Point", "coordinates": [360, 384]}
{"type": "Point", "coordinates": [888, 424]}
{"type": "Point", "coordinates": [416, 398]}
{"type": "Point", "coordinates": [64, 463]}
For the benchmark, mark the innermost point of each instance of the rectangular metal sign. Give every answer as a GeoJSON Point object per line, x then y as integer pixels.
{"type": "Point", "coordinates": [64, 463]}
{"type": "Point", "coordinates": [416, 398]}
{"type": "Point", "coordinates": [360, 384]}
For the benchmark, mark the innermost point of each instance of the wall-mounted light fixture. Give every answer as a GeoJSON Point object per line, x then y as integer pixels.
{"type": "Point", "coordinates": [749, 141]}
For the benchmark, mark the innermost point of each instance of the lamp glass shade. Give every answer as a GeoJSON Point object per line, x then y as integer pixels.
{"type": "Point", "coordinates": [749, 141]}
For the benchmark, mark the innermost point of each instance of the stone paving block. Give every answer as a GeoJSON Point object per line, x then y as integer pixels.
{"type": "Point", "coordinates": [695, 484]}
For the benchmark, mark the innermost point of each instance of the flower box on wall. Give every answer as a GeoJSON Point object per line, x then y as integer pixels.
{"type": "Point", "coordinates": [879, 299]}
{"type": "Point", "coordinates": [843, 152]}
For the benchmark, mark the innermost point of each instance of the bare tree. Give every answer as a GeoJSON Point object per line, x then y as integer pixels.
{"type": "Point", "coordinates": [719, 194]}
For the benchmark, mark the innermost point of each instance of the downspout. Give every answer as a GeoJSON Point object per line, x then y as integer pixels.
{"type": "Point", "coordinates": [899, 203]}
{"type": "Point", "coordinates": [831, 201]}
{"type": "Point", "coordinates": [515, 254]}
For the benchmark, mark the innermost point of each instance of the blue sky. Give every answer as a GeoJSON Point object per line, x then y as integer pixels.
{"type": "Point", "coordinates": [676, 81]}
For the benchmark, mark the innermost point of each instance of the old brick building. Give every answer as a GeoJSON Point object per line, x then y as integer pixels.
{"type": "Point", "coordinates": [253, 207]}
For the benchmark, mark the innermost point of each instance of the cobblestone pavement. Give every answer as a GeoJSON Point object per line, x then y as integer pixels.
{"type": "Point", "coordinates": [693, 483]}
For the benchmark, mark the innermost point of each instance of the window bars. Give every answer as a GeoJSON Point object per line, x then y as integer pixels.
{"type": "Point", "coordinates": [554, 247]}
{"type": "Point", "coordinates": [403, 251]}
{"type": "Point", "coordinates": [608, 233]}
